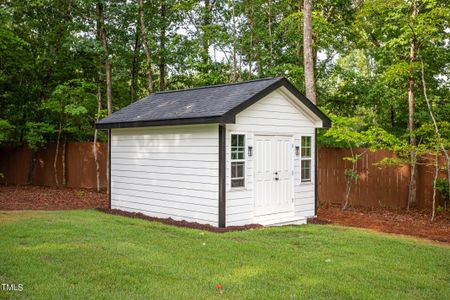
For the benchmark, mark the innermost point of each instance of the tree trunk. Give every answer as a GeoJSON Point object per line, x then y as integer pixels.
{"type": "Point", "coordinates": [134, 69]}
{"type": "Point", "coordinates": [436, 128]}
{"type": "Point", "coordinates": [349, 181]}
{"type": "Point", "coordinates": [57, 44]}
{"type": "Point", "coordinates": [108, 73]}
{"type": "Point", "coordinates": [63, 158]}
{"type": "Point", "coordinates": [298, 50]}
{"type": "Point", "coordinates": [94, 145]}
{"type": "Point", "coordinates": [55, 160]}
{"type": "Point", "coordinates": [412, 138]}
{"type": "Point", "coordinates": [162, 41]}
{"type": "Point", "coordinates": [250, 51]}
{"type": "Point", "coordinates": [205, 38]}
{"type": "Point", "coordinates": [270, 34]}
{"type": "Point", "coordinates": [308, 58]}
{"type": "Point", "coordinates": [234, 70]}
{"type": "Point", "coordinates": [99, 108]}
{"type": "Point", "coordinates": [436, 174]}
{"type": "Point", "coordinates": [101, 22]}
{"type": "Point", "coordinates": [97, 164]}
{"type": "Point", "coordinates": [412, 189]}
{"type": "Point", "coordinates": [147, 49]}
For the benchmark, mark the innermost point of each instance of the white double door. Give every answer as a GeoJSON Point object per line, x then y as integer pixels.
{"type": "Point", "coordinates": [273, 174]}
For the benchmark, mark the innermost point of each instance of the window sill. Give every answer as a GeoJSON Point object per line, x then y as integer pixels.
{"type": "Point", "coordinates": [305, 183]}
{"type": "Point", "coordinates": [237, 189]}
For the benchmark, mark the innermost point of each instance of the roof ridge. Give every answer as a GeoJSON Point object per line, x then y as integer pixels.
{"type": "Point", "coordinates": [217, 85]}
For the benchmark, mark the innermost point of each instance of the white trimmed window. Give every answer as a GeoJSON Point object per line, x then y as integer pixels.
{"type": "Point", "coordinates": [237, 160]}
{"type": "Point", "coordinates": [306, 159]}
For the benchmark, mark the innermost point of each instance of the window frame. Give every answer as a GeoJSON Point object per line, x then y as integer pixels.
{"type": "Point", "coordinates": [238, 160]}
{"type": "Point", "coordinates": [307, 158]}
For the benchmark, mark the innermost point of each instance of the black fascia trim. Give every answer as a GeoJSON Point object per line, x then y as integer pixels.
{"type": "Point", "coordinates": [255, 98]}
{"type": "Point", "coordinates": [326, 122]}
{"type": "Point", "coordinates": [186, 121]}
{"type": "Point", "coordinates": [109, 167]}
{"type": "Point", "coordinates": [222, 175]}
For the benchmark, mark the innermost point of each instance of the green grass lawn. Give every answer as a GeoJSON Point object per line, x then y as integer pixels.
{"type": "Point", "coordinates": [89, 254]}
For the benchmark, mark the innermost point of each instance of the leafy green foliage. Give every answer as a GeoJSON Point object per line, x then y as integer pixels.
{"type": "Point", "coordinates": [443, 187]}
{"type": "Point", "coordinates": [351, 174]}
{"type": "Point", "coordinates": [50, 49]}
{"type": "Point", "coordinates": [71, 105]}
{"type": "Point", "coordinates": [5, 130]}
{"type": "Point", "coordinates": [37, 134]}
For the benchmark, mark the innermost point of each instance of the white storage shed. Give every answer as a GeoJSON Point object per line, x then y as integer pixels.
{"type": "Point", "coordinates": [224, 155]}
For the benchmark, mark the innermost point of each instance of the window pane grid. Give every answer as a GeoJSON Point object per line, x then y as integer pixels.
{"type": "Point", "coordinates": [306, 170]}
{"type": "Point", "coordinates": [237, 160]}
{"type": "Point", "coordinates": [306, 146]}
{"type": "Point", "coordinates": [306, 159]}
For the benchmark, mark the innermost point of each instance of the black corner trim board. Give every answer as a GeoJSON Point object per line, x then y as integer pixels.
{"type": "Point", "coordinates": [229, 116]}
{"type": "Point", "coordinates": [109, 167]}
{"type": "Point", "coordinates": [316, 184]}
{"type": "Point", "coordinates": [222, 174]}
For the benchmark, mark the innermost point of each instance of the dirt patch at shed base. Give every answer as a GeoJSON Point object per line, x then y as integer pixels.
{"type": "Point", "coordinates": [170, 221]}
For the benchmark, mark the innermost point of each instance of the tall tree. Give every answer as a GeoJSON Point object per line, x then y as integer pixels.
{"type": "Point", "coordinates": [101, 21]}
{"type": "Point", "coordinates": [412, 138]}
{"type": "Point", "coordinates": [147, 49]}
{"type": "Point", "coordinates": [206, 24]}
{"type": "Point", "coordinates": [98, 35]}
{"type": "Point", "coordinates": [234, 44]}
{"type": "Point", "coordinates": [437, 131]}
{"type": "Point", "coordinates": [310, 86]}
{"type": "Point", "coordinates": [134, 64]}
{"type": "Point", "coordinates": [162, 45]}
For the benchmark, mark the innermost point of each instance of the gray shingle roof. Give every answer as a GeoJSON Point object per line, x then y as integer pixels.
{"type": "Point", "coordinates": [209, 104]}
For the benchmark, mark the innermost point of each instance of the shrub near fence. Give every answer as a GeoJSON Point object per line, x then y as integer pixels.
{"type": "Point", "coordinates": [386, 187]}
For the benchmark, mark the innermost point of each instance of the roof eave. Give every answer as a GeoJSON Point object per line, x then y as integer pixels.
{"type": "Point", "coordinates": [185, 121]}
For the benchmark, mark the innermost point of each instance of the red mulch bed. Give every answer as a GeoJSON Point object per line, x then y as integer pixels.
{"type": "Point", "coordinates": [49, 198]}
{"type": "Point", "coordinates": [414, 222]}
{"type": "Point", "coordinates": [170, 221]}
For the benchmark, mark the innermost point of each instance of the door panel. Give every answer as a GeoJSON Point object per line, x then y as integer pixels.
{"type": "Point", "coordinates": [273, 174]}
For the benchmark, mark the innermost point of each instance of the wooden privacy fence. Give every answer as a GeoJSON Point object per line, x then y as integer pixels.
{"type": "Point", "coordinates": [80, 165]}
{"type": "Point", "coordinates": [377, 187]}
{"type": "Point", "coordinates": [386, 187]}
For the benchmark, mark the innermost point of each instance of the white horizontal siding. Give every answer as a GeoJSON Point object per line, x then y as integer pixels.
{"type": "Point", "coordinates": [169, 171]}
{"type": "Point", "coordinates": [166, 163]}
{"type": "Point", "coordinates": [275, 114]}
